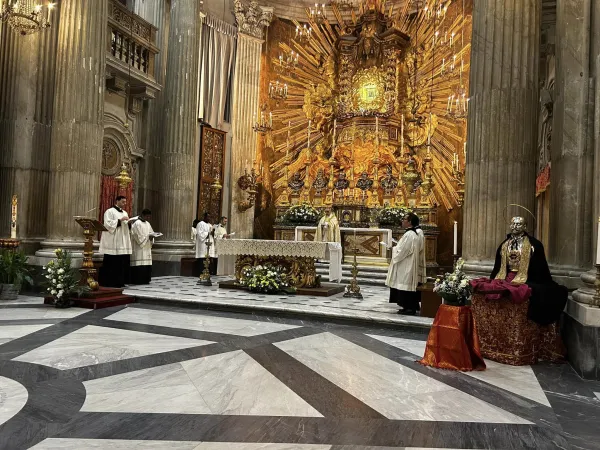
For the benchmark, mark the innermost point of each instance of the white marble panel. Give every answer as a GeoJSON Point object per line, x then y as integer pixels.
{"type": "Point", "coordinates": [13, 396]}
{"type": "Point", "coordinates": [520, 380]}
{"type": "Point", "coordinates": [396, 391]}
{"type": "Point", "coordinates": [112, 444]}
{"type": "Point", "coordinates": [198, 322]}
{"type": "Point", "coordinates": [230, 384]}
{"type": "Point", "coordinates": [597, 394]}
{"type": "Point", "coordinates": [10, 332]}
{"type": "Point", "coordinates": [255, 446]}
{"type": "Point", "coordinates": [95, 345]}
{"type": "Point", "coordinates": [43, 312]}
{"type": "Point", "coordinates": [24, 300]}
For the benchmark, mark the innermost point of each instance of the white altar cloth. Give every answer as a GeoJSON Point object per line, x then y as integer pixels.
{"type": "Point", "coordinates": [301, 249]}
{"type": "Point", "coordinates": [264, 247]}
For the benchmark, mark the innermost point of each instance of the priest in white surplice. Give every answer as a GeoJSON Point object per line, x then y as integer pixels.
{"type": "Point", "coordinates": [328, 229]}
{"type": "Point", "coordinates": [203, 235]}
{"type": "Point", "coordinates": [141, 244]}
{"type": "Point", "coordinates": [219, 232]}
{"type": "Point", "coordinates": [407, 268]}
{"type": "Point", "coordinates": [115, 244]}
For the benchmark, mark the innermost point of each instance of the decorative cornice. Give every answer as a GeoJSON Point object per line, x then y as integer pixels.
{"type": "Point", "coordinates": [251, 19]}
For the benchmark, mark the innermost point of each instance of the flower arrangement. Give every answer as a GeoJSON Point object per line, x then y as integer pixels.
{"type": "Point", "coordinates": [393, 215]}
{"type": "Point", "coordinates": [264, 279]}
{"type": "Point", "coordinates": [302, 214]}
{"type": "Point", "coordinates": [454, 287]}
{"type": "Point", "coordinates": [62, 279]}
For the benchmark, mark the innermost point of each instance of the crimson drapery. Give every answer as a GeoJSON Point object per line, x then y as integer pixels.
{"type": "Point", "coordinates": [109, 189]}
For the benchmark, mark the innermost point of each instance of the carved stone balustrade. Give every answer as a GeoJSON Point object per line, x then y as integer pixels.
{"type": "Point", "coordinates": [131, 52]}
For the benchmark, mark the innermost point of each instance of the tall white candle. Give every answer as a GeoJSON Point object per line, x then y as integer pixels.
{"type": "Point", "coordinates": [308, 143]}
{"type": "Point", "coordinates": [598, 243]}
{"type": "Point", "coordinates": [455, 237]}
{"type": "Point", "coordinates": [334, 127]}
{"type": "Point", "coordinates": [402, 135]}
{"type": "Point", "coordinates": [13, 218]}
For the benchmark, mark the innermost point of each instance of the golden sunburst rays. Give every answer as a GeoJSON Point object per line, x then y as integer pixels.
{"type": "Point", "coordinates": [443, 42]}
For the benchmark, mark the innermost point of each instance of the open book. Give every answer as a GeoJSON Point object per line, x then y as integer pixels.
{"type": "Point", "coordinates": [155, 235]}
{"type": "Point", "coordinates": [385, 244]}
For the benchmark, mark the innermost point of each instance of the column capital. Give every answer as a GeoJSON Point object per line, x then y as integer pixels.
{"type": "Point", "coordinates": [251, 18]}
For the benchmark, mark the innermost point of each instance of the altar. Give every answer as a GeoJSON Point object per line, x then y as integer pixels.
{"type": "Point", "coordinates": [298, 258]}
{"type": "Point", "coordinates": [367, 242]}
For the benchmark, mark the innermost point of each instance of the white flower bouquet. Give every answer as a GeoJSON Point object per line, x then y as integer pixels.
{"type": "Point", "coordinates": [265, 279]}
{"type": "Point", "coordinates": [392, 215]}
{"type": "Point", "coordinates": [62, 280]}
{"type": "Point", "coordinates": [302, 214]}
{"type": "Point", "coordinates": [454, 287]}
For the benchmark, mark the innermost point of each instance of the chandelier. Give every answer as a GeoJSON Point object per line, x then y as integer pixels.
{"type": "Point", "coordinates": [265, 122]}
{"type": "Point", "coordinates": [26, 16]}
{"type": "Point", "coordinates": [344, 5]}
{"type": "Point", "coordinates": [317, 14]}
{"type": "Point", "coordinates": [278, 91]}
{"type": "Point", "coordinates": [288, 63]}
{"type": "Point", "coordinates": [303, 34]}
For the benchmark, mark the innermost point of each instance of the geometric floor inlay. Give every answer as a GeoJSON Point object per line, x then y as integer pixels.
{"type": "Point", "coordinates": [396, 391]}
{"type": "Point", "coordinates": [13, 396]}
{"type": "Point", "coordinates": [115, 444]}
{"type": "Point", "coordinates": [520, 380]}
{"type": "Point", "coordinates": [95, 345]}
{"type": "Point", "coordinates": [10, 332]}
{"type": "Point", "coordinates": [229, 383]}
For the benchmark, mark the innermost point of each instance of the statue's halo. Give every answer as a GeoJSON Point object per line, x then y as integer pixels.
{"type": "Point", "coordinates": [518, 206]}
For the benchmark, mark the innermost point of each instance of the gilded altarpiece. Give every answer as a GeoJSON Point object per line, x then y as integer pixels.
{"type": "Point", "coordinates": [212, 160]}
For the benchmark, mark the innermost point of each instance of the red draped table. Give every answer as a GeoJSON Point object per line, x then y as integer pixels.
{"type": "Point", "coordinates": [453, 342]}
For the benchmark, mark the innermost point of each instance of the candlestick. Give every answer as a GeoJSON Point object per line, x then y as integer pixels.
{"type": "Point", "coordinates": [13, 218]}
{"type": "Point", "coordinates": [377, 128]}
{"type": "Point", "coordinates": [598, 243]}
{"type": "Point", "coordinates": [455, 237]}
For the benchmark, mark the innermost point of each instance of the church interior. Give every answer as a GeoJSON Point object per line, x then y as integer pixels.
{"type": "Point", "coordinates": [288, 225]}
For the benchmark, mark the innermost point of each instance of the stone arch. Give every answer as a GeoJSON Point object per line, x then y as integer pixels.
{"type": "Point", "coordinates": [118, 145]}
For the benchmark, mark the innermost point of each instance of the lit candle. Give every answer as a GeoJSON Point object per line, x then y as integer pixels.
{"type": "Point", "coordinates": [455, 237]}
{"type": "Point", "coordinates": [13, 218]}
{"type": "Point", "coordinates": [598, 243]}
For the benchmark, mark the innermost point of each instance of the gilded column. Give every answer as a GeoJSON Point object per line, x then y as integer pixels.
{"type": "Point", "coordinates": [77, 125]}
{"type": "Point", "coordinates": [502, 123]}
{"type": "Point", "coordinates": [251, 21]}
{"type": "Point", "coordinates": [177, 156]}
{"type": "Point", "coordinates": [26, 102]}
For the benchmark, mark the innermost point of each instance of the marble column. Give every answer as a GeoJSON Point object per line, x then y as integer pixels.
{"type": "Point", "coordinates": [572, 156]}
{"type": "Point", "coordinates": [502, 124]}
{"type": "Point", "coordinates": [246, 85]}
{"type": "Point", "coordinates": [177, 156]}
{"type": "Point", "coordinates": [77, 124]}
{"type": "Point", "coordinates": [27, 66]}
{"type": "Point", "coordinates": [155, 12]}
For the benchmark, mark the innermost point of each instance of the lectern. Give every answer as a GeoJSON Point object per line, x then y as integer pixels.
{"type": "Point", "coordinates": [90, 227]}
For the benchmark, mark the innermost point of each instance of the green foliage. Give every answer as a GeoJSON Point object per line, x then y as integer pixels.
{"type": "Point", "coordinates": [62, 279]}
{"type": "Point", "coordinates": [265, 279]}
{"type": "Point", "coordinates": [13, 268]}
{"type": "Point", "coordinates": [393, 215]}
{"type": "Point", "coordinates": [302, 214]}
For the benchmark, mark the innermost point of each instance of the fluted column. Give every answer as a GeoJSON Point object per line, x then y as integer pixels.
{"type": "Point", "coordinates": [501, 147]}
{"type": "Point", "coordinates": [77, 127]}
{"type": "Point", "coordinates": [246, 85]}
{"type": "Point", "coordinates": [178, 171]}
{"type": "Point", "coordinates": [26, 99]}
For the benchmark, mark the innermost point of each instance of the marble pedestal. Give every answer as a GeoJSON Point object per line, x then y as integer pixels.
{"type": "Point", "coordinates": [581, 334]}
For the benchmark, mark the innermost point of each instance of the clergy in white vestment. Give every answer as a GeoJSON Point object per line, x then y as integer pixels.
{"type": "Point", "coordinates": [141, 245]}
{"type": "Point", "coordinates": [407, 269]}
{"type": "Point", "coordinates": [115, 244]}
{"type": "Point", "coordinates": [219, 232]}
{"type": "Point", "coordinates": [328, 229]}
{"type": "Point", "coordinates": [203, 238]}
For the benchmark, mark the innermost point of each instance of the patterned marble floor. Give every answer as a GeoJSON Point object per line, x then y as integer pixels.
{"type": "Point", "coordinates": [163, 377]}
{"type": "Point", "coordinates": [373, 308]}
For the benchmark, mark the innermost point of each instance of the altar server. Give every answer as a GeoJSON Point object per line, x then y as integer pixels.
{"type": "Point", "coordinates": [204, 236]}
{"type": "Point", "coordinates": [115, 244]}
{"type": "Point", "coordinates": [407, 268]}
{"type": "Point", "coordinates": [141, 243]}
{"type": "Point", "coordinates": [219, 232]}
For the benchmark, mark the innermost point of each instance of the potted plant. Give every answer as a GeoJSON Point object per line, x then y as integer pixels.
{"type": "Point", "coordinates": [265, 279]}
{"type": "Point", "coordinates": [13, 273]}
{"type": "Point", "coordinates": [454, 287]}
{"type": "Point", "coordinates": [62, 279]}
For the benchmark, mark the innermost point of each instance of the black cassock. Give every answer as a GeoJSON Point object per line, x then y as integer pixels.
{"type": "Point", "coordinates": [548, 298]}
